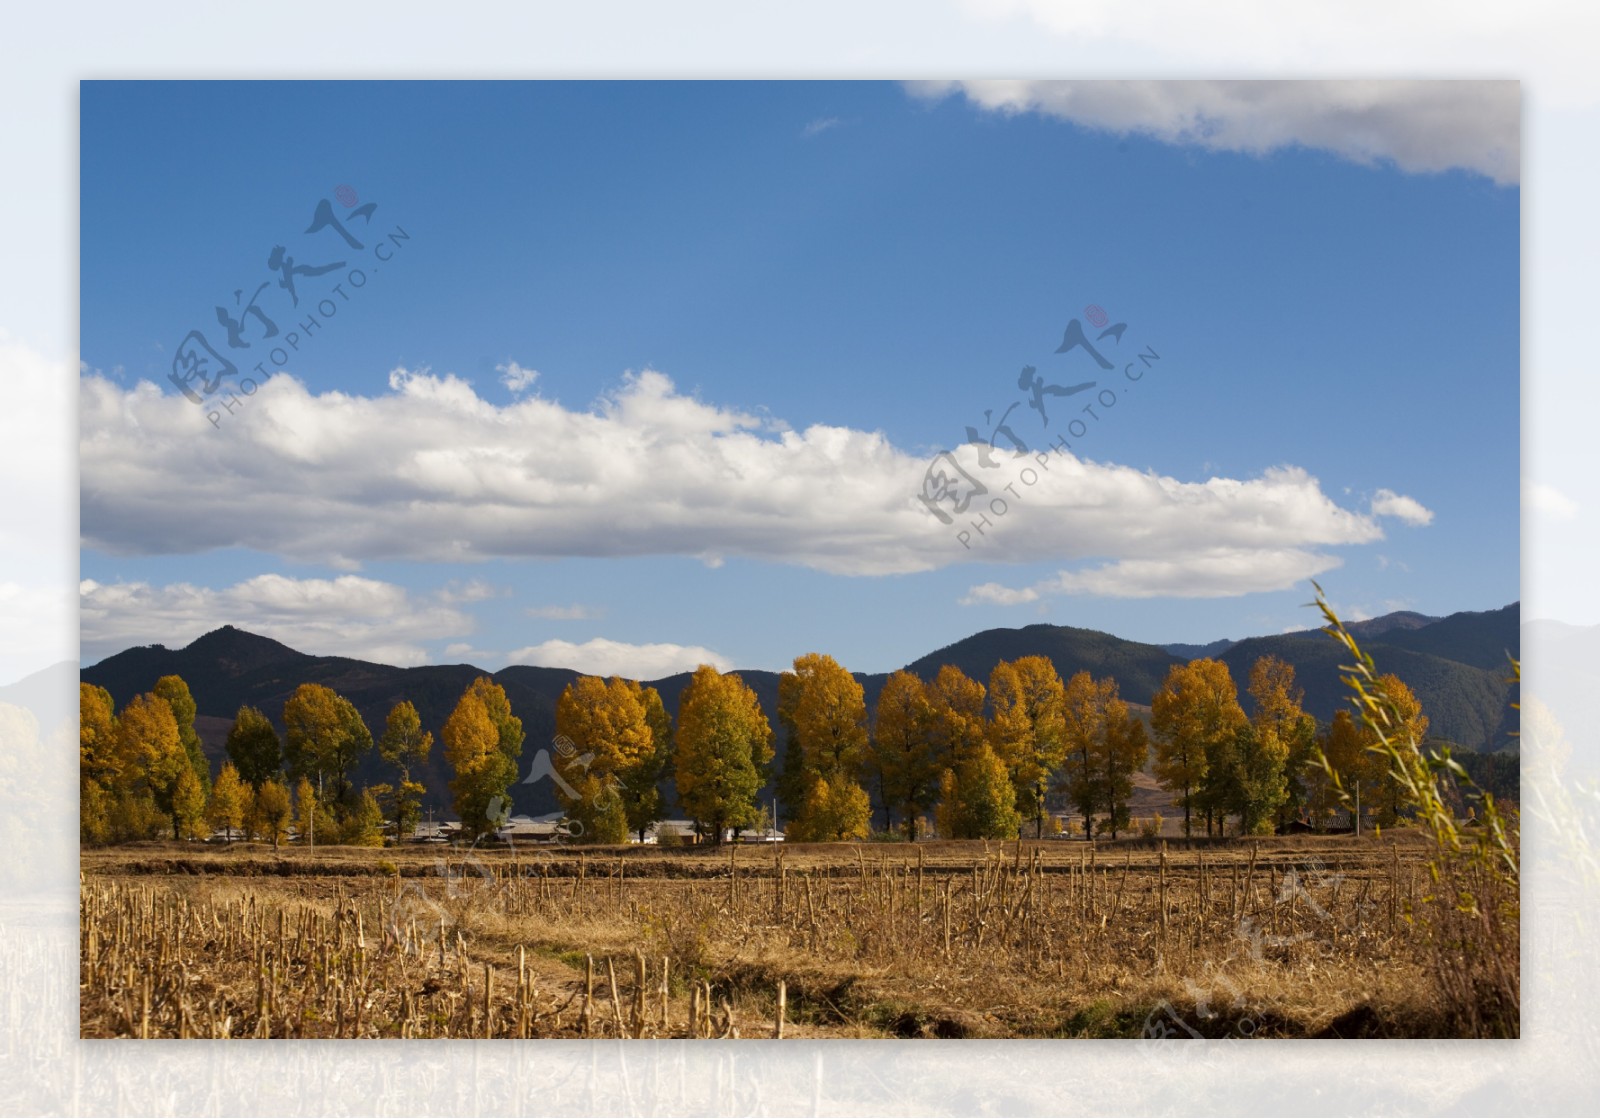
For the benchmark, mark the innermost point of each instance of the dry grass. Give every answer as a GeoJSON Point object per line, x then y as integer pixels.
{"type": "Point", "coordinates": [1296, 936]}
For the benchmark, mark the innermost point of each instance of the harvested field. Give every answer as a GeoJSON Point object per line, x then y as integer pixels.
{"type": "Point", "coordinates": [1286, 937]}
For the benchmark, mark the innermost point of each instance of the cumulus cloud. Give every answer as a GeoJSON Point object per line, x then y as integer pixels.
{"type": "Point", "coordinates": [1387, 503]}
{"type": "Point", "coordinates": [819, 126]}
{"type": "Point", "coordinates": [602, 657]}
{"type": "Point", "coordinates": [429, 471]}
{"type": "Point", "coordinates": [1216, 573]}
{"type": "Point", "coordinates": [516, 378]}
{"type": "Point", "coordinates": [347, 616]}
{"type": "Point", "coordinates": [1419, 126]}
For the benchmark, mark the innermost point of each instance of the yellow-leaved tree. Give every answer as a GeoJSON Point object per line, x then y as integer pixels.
{"type": "Point", "coordinates": [188, 805]}
{"type": "Point", "coordinates": [404, 745]}
{"type": "Point", "coordinates": [175, 691]}
{"type": "Point", "coordinates": [99, 771]}
{"type": "Point", "coordinates": [326, 739]}
{"type": "Point", "coordinates": [956, 725]}
{"type": "Point", "coordinates": [272, 811]}
{"type": "Point", "coordinates": [1279, 713]}
{"type": "Point", "coordinates": [482, 741]}
{"type": "Point", "coordinates": [904, 751]}
{"type": "Point", "coordinates": [823, 711]}
{"type": "Point", "coordinates": [150, 756]}
{"type": "Point", "coordinates": [611, 733]}
{"type": "Point", "coordinates": [1196, 717]}
{"type": "Point", "coordinates": [1028, 730]}
{"type": "Point", "coordinates": [229, 799]}
{"type": "Point", "coordinates": [977, 799]}
{"type": "Point", "coordinates": [1120, 751]}
{"type": "Point", "coordinates": [723, 745]}
{"type": "Point", "coordinates": [640, 782]}
{"type": "Point", "coordinates": [1084, 719]}
{"type": "Point", "coordinates": [1409, 725]}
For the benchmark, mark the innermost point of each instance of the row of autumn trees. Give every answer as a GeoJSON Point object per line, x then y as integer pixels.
{"type": "Point", "coordinates": [984, 763]}
{"type": "Point", "coordinates": [976, 761]}
{"type": "Point", "coordinates": [142, 775]}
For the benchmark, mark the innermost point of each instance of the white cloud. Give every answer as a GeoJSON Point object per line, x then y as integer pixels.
{"type": "Point", "coordinates": [347, 616]}
{"type": "Point", "coordinates": [819, 126]}
{"type": "Point", "coordinates": [1420, 126]}
{"type": "Point", "coordinates": [431, 472]}
{"type": "Point", "coordinates": [1387, 503]}
{"type": "Point", "coordinates": [1549, 501]}
{"type": "Point", "coordinates": [574, 613]}
{"type": "Point", "coordinates": [470, 590]}
{"type": "Point", "coordinates": [516, 378]}
{"type": "Point", "coordinates": [601, 657]}
{"type": "Point", "coordinates": [1217, 573]}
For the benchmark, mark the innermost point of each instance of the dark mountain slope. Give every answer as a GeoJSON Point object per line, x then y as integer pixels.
{"type": "Point", "coordinates": [227, 668]}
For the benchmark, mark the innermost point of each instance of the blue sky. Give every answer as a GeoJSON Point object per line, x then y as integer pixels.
{"type": "Point", "coordinates": [829, 281]}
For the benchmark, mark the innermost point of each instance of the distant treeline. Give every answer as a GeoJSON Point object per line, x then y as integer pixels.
{"type": "Point", "coordinates": [949, 756]}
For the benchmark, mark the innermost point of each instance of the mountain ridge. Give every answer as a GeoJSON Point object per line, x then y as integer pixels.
{"type": "Point", "coordinates": [229, 667]}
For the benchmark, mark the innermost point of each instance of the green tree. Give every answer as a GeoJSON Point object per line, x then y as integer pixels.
{"type": "Point", "coordinates": [1279, 709]}
{"type": "Point", "coordinates": [364, 828]}
{"type": "Point", "coordinates": [641, 781]}
{"type": "Point", "coordinates": [1121, 751]}
{"type": "Point", "coordinates": [175, 691]}
{"type": "Point", "coordinates": [724, 743]}
{"type": "Point", "coordinates": [599, 808]}
{"type": "Point", "coordinates": [1195, 716]}
{"type": "Point", "coordinates": [1084, 721]}
{"type": "Point", "coordinates": [253, 746]}
{"type": "Point", "coordinates": [1258, 786]}
{"type": "Point", "coordinates": [326, 738]}
{"type": "Point", "coordinates": [977, 799]}
{"type": "Point", "coordinates": [135, 815]}
{"type": "Point", "coordinates": [404, 745]}
{"type": "Point", "coordinates": [1028, 731]}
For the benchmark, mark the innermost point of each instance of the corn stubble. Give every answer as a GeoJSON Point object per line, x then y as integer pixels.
{"type": "Point", "coordinates": [956, 939]}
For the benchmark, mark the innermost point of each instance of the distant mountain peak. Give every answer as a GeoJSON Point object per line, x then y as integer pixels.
{"type": "Point", "coordinates": [1385, 623]}
{"type": "Point", "coordinates": [239, 649]}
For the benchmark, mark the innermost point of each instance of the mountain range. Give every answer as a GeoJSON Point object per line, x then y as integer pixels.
{"type": "Point", "coordinates": [1457, 665]}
